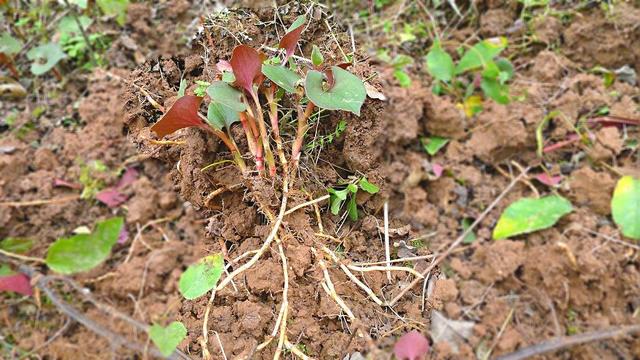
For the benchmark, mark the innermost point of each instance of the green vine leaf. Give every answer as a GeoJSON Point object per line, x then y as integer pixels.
{"type": "Point", "coordinates": [83, 252]}
{"type": "Point", "coordinates": [625, 206]}
{"type": "Point", "coordinates": [201, 277]}
{"type": "Point", "coordinates": [227, 95]}
{"type": "Point", "coordinates": [528, 215]}
{"type": "Point", "coordinates": [348, 92]}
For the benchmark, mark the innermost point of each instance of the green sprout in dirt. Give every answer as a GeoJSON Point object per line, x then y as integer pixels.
{"type": "Point", "coordinates": [90, 178]}
{"type": "Point", "coordinates": [324, 140]}
{"type": "Point", "coordinates": [400, 63]}
{"type": "Point", "coordinates": [347, 193]}
{"type": "Point", "coordinates": [479, 69]}
{"type": "Point", "coordinates": [248, 89]}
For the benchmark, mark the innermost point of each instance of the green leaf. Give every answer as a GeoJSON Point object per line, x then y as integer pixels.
{"type": "Point", "coordinates": [352, 208]}
{"type": "Point", "coordinates": [480, 54]}
{"type": "Point", "coordinates": [83, 252]}
{"type": "Point", "coordinates": [348, 92]}
{"type": "Point", "coordinates": [281, 76]}
{"type": "Point", "coordinates": [296, 24]}
{"type": "Point", "coordinates": [439, 63]}
{"type": "Point", "coordinates": [625, 206]}
{"type": "Point", "coordinates": [491, 70]}
{"type": "Point", "coordinates": [167, 338]}
{"type": "Point", "coordinates": [117, 8]}
{"type": "Point", "coordinates": [340, 194]}
{"type": "Point", "coordinates": [5, 270]}
{"type": "Point", "coordinates": [16, 245]}
{"type": "Point", "coordinates": [353, 188]}
{"type": "Point", "coordinates": [228, 77]}
{"type": "Point", "coordinates": [316, 56]}
{"type": "Point", "coordinates": [529, 215]}
{"type": "Point", "coordinates": [225, 94]}
{"type": "Point", "coordinates": [336, 204]}
{"type": "Point", "coordinates": [9, 45]}
{"type": "Point", "coordinates": [201, 277]}
{"type": "Point", "coordinates": [403, 78]}
{"type": "Point", "coordinates": [68, 26]}
{"type": "Point", "coordinates": [45, 57]}
{"type": "Point", "coordinates": [493, 89]}
{"type": "Point", "coordinates": [506, 70]}
{"type": "Point", "coordinates": [401, 61]}
{"type": "Point", "coordinates": [471, 236]}
{"type": "Point", "coordinates": [183, 88]}
{"type": "Point", "coordinates": [82, 4]}
{"type": "Point", "coordinates": [367, 186]}
{"type": "Point", "coordinates": [220, 116]}
{"type": "Point", "coordinates": [433, 144]}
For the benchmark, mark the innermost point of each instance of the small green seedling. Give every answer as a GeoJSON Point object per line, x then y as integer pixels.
{"type": "Point", "coordinates": [90, 178]}
{"type": "Point", "coordinates": [323, 140]}
{"type": "Point", "coordinates": [348, 194]}
{"type": "Point", "coordinates": [400, 63]}
{"type": "Point", "coordinates": [479, 68]}
{"type": "Point", "coordinates": [433, 144]}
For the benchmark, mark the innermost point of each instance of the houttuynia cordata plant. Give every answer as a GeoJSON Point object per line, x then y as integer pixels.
{"type": "Point", "coordinates": [248, 89]}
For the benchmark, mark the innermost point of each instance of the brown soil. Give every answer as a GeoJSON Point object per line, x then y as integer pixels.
{"type": "Point", "coordinates": [560, 281]}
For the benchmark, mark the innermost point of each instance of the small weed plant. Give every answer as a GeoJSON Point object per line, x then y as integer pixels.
{"type": "Point", "coordinates": [479, 74]}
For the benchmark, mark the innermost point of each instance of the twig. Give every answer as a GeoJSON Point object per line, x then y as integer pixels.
{"type": "Point", "coordinates": [40, 202]}
{"type": "Point", "coordinates": [499, 335]}
{"type": "Point", "coordinates": [388, 269]}
{"type": "Point", "coordinates": [42, 283]}
{"type": "Point", "coordinates": [387, 252]}
{"type": "Point", "coordinates": [311, 202]}
{"type": "Point", "coordinates": [461, 238]}
{"type": "Point", "coordinates": [21, 257]}
{"type": "Point", "coordinates": [285, 303]}
{"type": "Point", "coordinates": [296, 351]}
{"type": "Point", "coordinates": [139, 235]}
{"type": "Point", "coordinates": [328, 287]}
{"type": "Point", "coordinates": [565, 342]}
{"type": "Point", "coordinates": [224, 355]}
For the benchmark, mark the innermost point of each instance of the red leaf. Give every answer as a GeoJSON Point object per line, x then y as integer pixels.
{"type": "Point", "coordinates": [411, 346]}
{"type": "Point", "coordinates": [18, 283]}
{"type": "Point", "coordinates": [123, 236]}
{"type": "Point", "coordinates": [130, 175]}
{"type": "Point", "coordinates": [290, 40]}
{"type": "Point", "coordinates": [183, 114]}
{"type": "Point", "coordinates": [549, 180]}
{"type": "Point", "coordinates": [224, 65]}
{"type": "Point", "coordinates": [111, 197]}
{"type": "Point", "coordinates": [247, 64]}
{"type": "Point", "coordinates": [437, 170]}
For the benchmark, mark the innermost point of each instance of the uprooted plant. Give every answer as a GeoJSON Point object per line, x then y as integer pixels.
{"type": "Point", "coordinates": [251, 89]}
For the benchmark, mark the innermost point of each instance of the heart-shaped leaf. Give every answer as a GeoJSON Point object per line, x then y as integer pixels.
{"type": "Point", "coordinates": [226, 95]}
{"type": "Point", "coordinates": [290, 40]}
{"type": "Point", "coordinates": [45, 57]}
{"type": "Point", "coordinates": [9, 45]}
{"type": "Point", "coordinates": [439, 63]}
{"type": "Point", "coordinates": [246, 64]}
{"type": "Point", "coordinates": [183, 114]}
{"type": "Point", "coordinates": [83, 252]}
{"type": "Point", "coordinates": [625, 206]}
{"type": "Point", "coordinates": [220, 116]}
{"type": "Point", "coordinates": [348, 92]}
{"type": "Point", "coordinates": [281, 76]}
{"type": "Point", "coordinates": [481, 54]}
{"type": "Point", "coordinates": [529, 215]}
{"type": "Point", "coordinates": [18, 283]}
{"type": "Point", "coordinates": [169, 337]}
{"type": "Point", "coordinates": [201, 277]}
